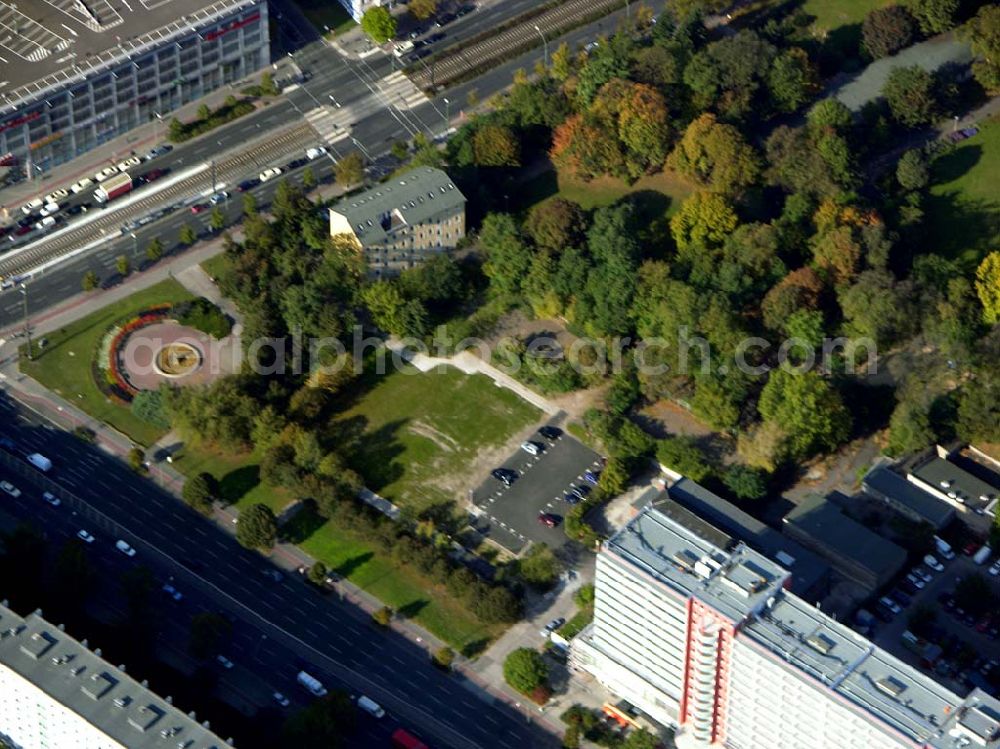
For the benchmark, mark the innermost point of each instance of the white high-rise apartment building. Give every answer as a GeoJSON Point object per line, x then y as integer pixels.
{"type": "Point", "coordinates": [709, 640]}
{"type": "Point", "coordinates": [55, 693]}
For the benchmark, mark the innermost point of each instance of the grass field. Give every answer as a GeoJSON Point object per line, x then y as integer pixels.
{"type": "Point", "coordinates": [64, 365]}
{"type": "Point", "coordinates": [832, 14]}
{"type": "Point", "coordinates": [661, 193]}
{"type": "Point", "coordinates": [238, 477]}
{"type": "Point", "coordinates": [415, 436]}
{"type": "Point", "coordinates": [405, 590]}
{"type": "Point", "coordinates": [215, 265]}
{"type": "Point", "coordinates": [963, 210]}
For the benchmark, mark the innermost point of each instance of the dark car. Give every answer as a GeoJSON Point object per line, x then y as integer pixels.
{"type": "Point", "coordinates": [592, 477]}
{"type": "Point", "coordinates": [444, 20]}
{"type": "Point", "coordinates": [418, 54]}
{"type": "Point", "coordinates": [900, 597]}
{"type": "Point", "coordinates": [548, 519]}
{"type": "Point", "coordinates": [580, 491]}
{"type": "Point", "coordinates": [434, 38]}
{"type": "Point", "coordinates": [570, 498]}
{"type": "Point", "coordinates": [247, 184]}
{"type": "Point", "coordinates": [75, 209]}
{"type": "Point", "coordinates": [505, 475]}
{"type": "Point", "coordinates": [550, 433]}
{"type": "Point", "coordinates": [465, 10]}
{"type": "Point", "coordinates": [154, 174]}
{"type": "Point", "coordinates": [296, 163]}
{"type": "Point", "coordinates": [22, 230]}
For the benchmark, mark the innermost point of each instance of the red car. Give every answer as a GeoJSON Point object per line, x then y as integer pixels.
{"type": "Point", "coordinates": [546, 519]}
{"type": "Point", "coordinates": [970, 548]}
{"type": "Point", "coordinates": [198, 207]}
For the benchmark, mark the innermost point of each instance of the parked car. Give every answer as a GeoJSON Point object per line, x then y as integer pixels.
{"type": "Point", "coordinates": [154, 174]}
{"type": "Point", "coordinates": [270, 173]}
{"type": "Point", "coordinates": [444, 19]}
{"type": "Point", "coordinates": [82, 185]}
{"type": "Point", "coordinates": [219, 197]}
{"type": "Point", "coordinates": [296, 163]}
{"type": "Point", "coordinates": [198, 208]}
{"type": "Point", "coordinates": [550, 432]}
{"type": "Point", "coordinates": [995, 568]}
{"type": "Point", "coordinates": [581, 491]}
{"type": "Point", "coordinates": [85, 537]}
{"type": "Point", "coordinates": [901, 597]}
{"type": "Point", "coordinates": [915, 581]}
{"type": "Point", "coordinates": [10, 489]}
{"type": "Point", "coordinates": [970, 548]}
{"type": "Point", "coordinates": [505, 475]}
{"type": "Point", "coordinates": [923, 573]}
{"type": "Point", "coordinates": [56, 195]}
{"type": "Point", "coordinates": [315, 152]}
{"type": "Point", "coordinates": [933, 563]}
{"type": "Point", "coordinates": [570, 498]}
{"type": "Point", "coordinates": [124, 548]}
{"type": "Point", "coordinates": [51, 498]}
{"type": "Point", "coordinates": [124, 166]}
{"type": "Point", "coordinates": [552, 626]}
{"type": "Point", "coordinates": [889, 604]}
{"type": "Point", "coordinates": [465, 10]}
{"type": "Point", "coordinates": [532, 448]}
{"type": "Point", "coordinates": [548, 519]}
{"type": "Point", "coordinates": [247, 184]}
{"type": "Point", "coordinates": [158, 151]}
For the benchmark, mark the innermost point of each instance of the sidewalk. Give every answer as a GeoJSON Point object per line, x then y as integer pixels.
{"type": "Point", "coordinates": [135, 142]}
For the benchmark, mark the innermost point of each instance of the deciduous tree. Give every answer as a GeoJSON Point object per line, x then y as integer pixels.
{"type": "Point", "coordinates": [495, 145]}
{"type": "Point", "coordinates": [422, 9]}
{"type": "Point", "coordinates": [988, 286]}
{"type": "Point", "coordinates": [716, 156]}
{"type": "Point", "coordinates": [886, 30]}
{"type": "Point", "coordinates": [983, 33]}
{"type": "Point", "coordinates": [807, 408]}
{"type": "Point", "coordinates": [351, 169]}
{"type": "Point", "coordinates": [524, 669]}
{"type": "Point", "coordinates": [257, 527]}
{"type": "Point", "coordinates": [556, 224]}
{"type": "Point", "coordinates": [379, 24]}
{"type": "Point", "coordinates": [934, 16]}
{"type": "Point", "coordinates": [704, 221]}
{"type": "Point", "coordinates": [911, 96]}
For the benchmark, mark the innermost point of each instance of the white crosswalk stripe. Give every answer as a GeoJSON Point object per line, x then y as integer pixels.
{"type": "Point", "coordinates": [327, 124]}
{"type": "Point", "coordinates": [401, 91]}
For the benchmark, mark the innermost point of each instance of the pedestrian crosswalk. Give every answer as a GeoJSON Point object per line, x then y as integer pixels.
{"type": "Point", "coordinates": [401, 91]}
{"type": "Point", "coordinates": [327, 124]}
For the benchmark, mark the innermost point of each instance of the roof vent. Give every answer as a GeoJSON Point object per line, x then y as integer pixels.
{"type": "Point", "coordinates": [891, 686]}
{"type": "Point", "coordinates": [821, 643]}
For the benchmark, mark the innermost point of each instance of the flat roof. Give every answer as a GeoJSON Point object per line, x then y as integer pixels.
{"type": "Point", "coordinates": [883, 480]}
{"type": "Point", "coordinates": [103, 695]}
{"type": "Point", "coordinates": [975, 723]}
{"type": "Point", "coordinates": [734, 583]}
{"type": "Point", "coordinates": [52, 43]}
{"type": "Point", "coordinates": [410, 198]}
{"type": "Point", "coordinates": [948, 478]}
{"type": "Point", "coordinates": [806, 567]}
{"type": "Point", "coordinates": [824, 521]}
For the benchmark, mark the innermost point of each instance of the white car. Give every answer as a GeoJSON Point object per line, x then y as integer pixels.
{"type": "Point", "coordinates": [532, 448]}
{"type": "Point", "coordinates": [916, 581]}
{"type": "Point", "coordinates": [281, 699]}
{"type": "Point", "coordinates": [46, 223]}
{"type": "Point", "coordinates": [267, 174]}
{"type": "Point", "coordinates": [995, 569]}
{"type": "Point", "coordinates": [108, 171]}
{"type": "Point", "coordinates": [10, 488]}
{"type": "Point", "coordinates": [31, 206]}
{"type": "Point", "coordinates": [49, 209]}
{"type": "Point", "coordinates": [51, 498]}
{"type": "Point", "coordinates": [933, 563]}
{"type": "Point", "coordinates": [56, 195]}
{"type": "Point", "coordinates": [315, 152]}
{"type": "Point", "coordinates": [220, 196]}
{"type": "Point", "coordinates": [124, 166]}
{"type": "Point", "coordinates": [85, 537]}
{"type": "Point", "coordinates": [923, 574]}
{"type": "Point", "coordinates": [224, 661]}
{"type": "Point", "coordinates": [124, 548]}
{"type": "Point", "coordinates": [82, 185]}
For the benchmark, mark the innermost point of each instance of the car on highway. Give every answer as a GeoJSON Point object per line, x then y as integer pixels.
{"type": "Point", "coordinates": [108, 171]}
{"type": "Point", "coordinates": [219, 197]}
{"type": "Point", "coordinates": [79, 208]}
{"type": "Point", "coordinates": [10, 489]}
{"type": "Point", "coordinates": [270, 173]}
{"type": "Point", "coordinates": [56, 195]}
{"type": "Point", "coordinates": [20, 231]}
{"type": "Point", "coordinates": [281, 699]}
{"type": "Point", "coordinates": [532, 448]}
{"type": "Point", "coordinates": [504, 475]}
{"type": "Point", "coordinates": [224, 661]}
{"type": "Point", "coordinates": [247, 184]}
{"type": "Point", "coordinates": [84, 536]}
{"type": "Point", "coordinates": [274, 575]}
{"type": "Point", "coordinates": [51, 498]}
{"type": "Point", "coordinates": [82, 185]}
{"type": "Point", "coordinates": [124, 548]}
{"type": "Point", "coordinates": [154, 174]}
{"type": "Point", "coordinates": [434, 38]}
{"type": "Point", "coordinates": [171, 591]}
{"type": "Point", "coordinates": [548, 519]}
{"type": "Point", "coordinates": [296, 163]}
{"type": "Point", "coordinates": [198, 208]}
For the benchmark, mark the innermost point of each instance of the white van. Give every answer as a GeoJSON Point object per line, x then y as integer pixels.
{"type": "Point", "coordinates": [311, 683]}
{"type": "Point", "coordinates": [40, 462]}
{"type": "Point", "coordinates": [371, 707]}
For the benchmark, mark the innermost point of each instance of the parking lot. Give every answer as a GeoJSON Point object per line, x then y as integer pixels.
{"type": "Point", "coordinates": [510, 515]}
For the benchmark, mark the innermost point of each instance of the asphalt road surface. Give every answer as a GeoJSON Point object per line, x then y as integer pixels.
{"type": "Point", "coordinates": [334, 640]}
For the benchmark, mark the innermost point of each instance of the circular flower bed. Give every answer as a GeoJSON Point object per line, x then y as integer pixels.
{"type": "Point", "coordinates": [114, 384]}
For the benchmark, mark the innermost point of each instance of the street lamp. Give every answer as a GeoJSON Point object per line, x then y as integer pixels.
{"type": "Point", "coordinates": [135, 245]}
{"type": "Point", "coordinates": [447, 113]}
{"type": "Point", "coordinates": [27, 327]}
{"type": "Point", "coordinates": [545, 45]}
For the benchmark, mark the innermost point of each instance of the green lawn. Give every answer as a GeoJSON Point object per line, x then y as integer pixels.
{"type": "Point", "coordinates": [415, 436]}
{"type": "Point", "coordinates": [64, 365]}
{"type": "Point", "coordinates": [963, 210]}
{"type": "Point", "coordinates": [403, 589]}
{"type": "Point", "coordinates": [661, 194]}
{"type": "Point", "coordinates": [326, 14]}
{"type": "Point", "coordinates": [238, 477]}
{"type": "Point", "coordinates": [833, 14]}
{"type": "Point", "coordinates": [215, 265]}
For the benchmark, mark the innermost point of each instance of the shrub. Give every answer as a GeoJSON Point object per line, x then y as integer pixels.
{"type": "Point", "coordinates": [257, 527]}
{"type": "Point", "coordinates": [382, 616]}
{"type": "Point", "coordinates": [148, 405]}
{"type": "Point", "coordinates": [683, 455]}
{"type": "Point", "coordinates": [444, 658]}
{"type": "Point", "coordinates": [200, 492]}
{"type": "Point", "coordinates": [85, 434]}
{"type": "Point", "coordinates": [202, 315]}
{"type": "Point", "coordinates": [524, 670]}
{"type": "Point", "coordinates": [317, 573]}
{"type": "Point", "coordinates": [136, 459]}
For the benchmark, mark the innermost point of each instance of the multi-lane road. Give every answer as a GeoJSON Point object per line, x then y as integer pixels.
{"type": "Point", "coordinates": [335, 640]}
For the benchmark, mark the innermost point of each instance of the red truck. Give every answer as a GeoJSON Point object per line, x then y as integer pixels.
{"type": "Point", "coordinates": [402, 739]}
{"type": "Point", "coordinates": [113, 187]}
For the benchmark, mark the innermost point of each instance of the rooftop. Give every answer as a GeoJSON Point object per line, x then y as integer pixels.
{"type": "Point", "coordinates": [105, 696]}
{"type": "Point", "coordinates": [883, 480]}
{"type": "Point", "coordinates": [411, 198]}
{"type": "Point", "coordinates": [50, 43]}
{"type": "Point", "coordinates": [824, 521]}
{"type": "Point", "coordinates": [806, 567]}
{"type": "Point", "coordinates": [955, 482]}
{"type": "Point", "coordinates": [735, 583]}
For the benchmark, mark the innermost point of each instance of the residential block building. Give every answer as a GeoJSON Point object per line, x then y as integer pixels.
{"type": "Point", "coordinates": [713, 642]}
{"type": "Point", "coordinates": [78, 74]}
{"type": "Point", "coordinates": [400, 223]}
{"type": "Point", "coordinates": [56, 693]}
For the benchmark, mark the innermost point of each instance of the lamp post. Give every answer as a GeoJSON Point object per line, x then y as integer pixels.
{"type": "Point", "coordinates": [545, 45]}
{"type": "Point", "coordinates": [27, 328]}
{"type": "Point", "coordinates": [447, 113]}
{"type": "Point", "coordinates": [135, 245]}
{"type": "Point", "coordinates": [626, 11]}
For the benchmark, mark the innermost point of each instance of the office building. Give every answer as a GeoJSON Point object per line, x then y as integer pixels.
{"type": "Point", "coordinates": [713, 643]}
{"type": "Point", "coordinates": [55, 693]}
{"type": "Point", "coordinates": [399, 223]}
{"type": "Point", "coordinates": [80, 73]}
{"type": "Point", "coordinates": [357, 8]}
{"type": "Point", "coordinates": [941, 476]}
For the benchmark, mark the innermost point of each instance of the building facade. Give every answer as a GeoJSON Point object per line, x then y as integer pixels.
{"type": "Point", "coordinates": [357, 8]}
{"type": "Point", "coordinates": [399, 223]}
{"type": "Point", "coordinates": [137, 69]}
{"type": "Point", "coordinates": [56, 693]}
{"type": "Point", "coordinates": [712, 642]}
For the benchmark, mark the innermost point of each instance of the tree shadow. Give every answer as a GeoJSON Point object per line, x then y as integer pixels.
{"type": "Point", "coordinates": [238, 483]}
{"type": "Point", "coordinates": [954, 164]}
{"type": "Point", "coordinates": [871, 406]}
{"type": "Point", "coordinates": [960, 227]}
{"type": "Point", "coordinates": [475, 648]}
{"type": "Point", "coordinates": [650, 216]}
{"type": "Point", "coordinates": [444, 515]}
{"type": "Point", "coordinates": [374, 453]}
{"type": "Point", "coordinates": [411, 609]}
{"type": "Point", "coordinates": [349, 566]}
{"type": "Point", "coordinates": [302, 525]}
